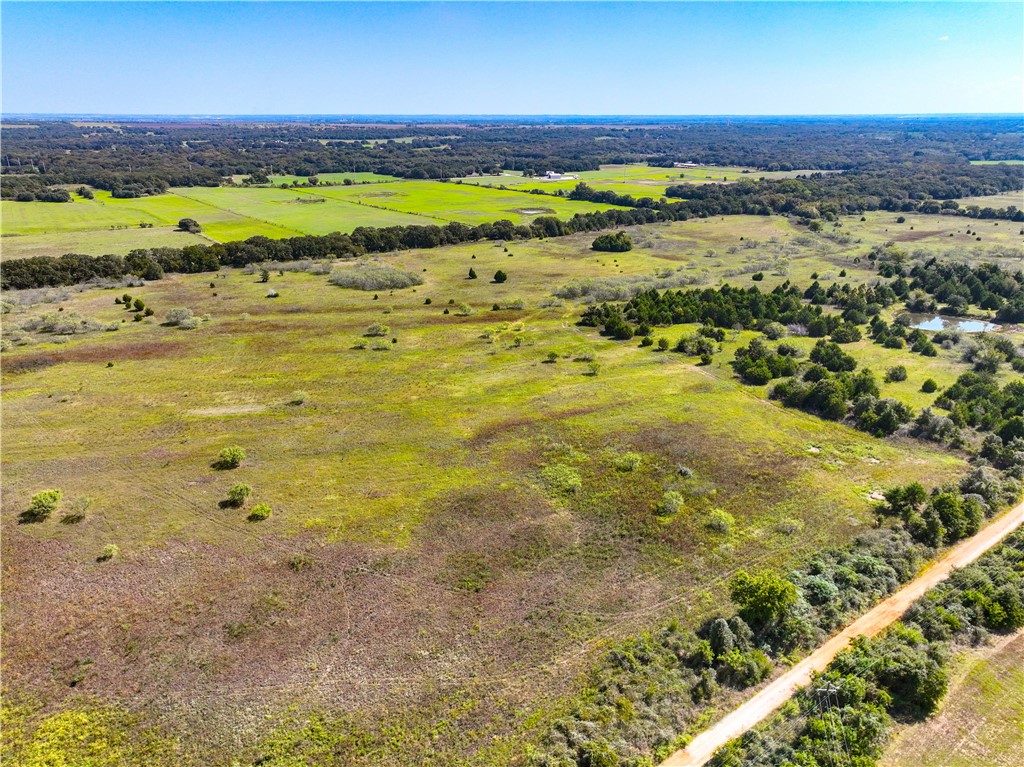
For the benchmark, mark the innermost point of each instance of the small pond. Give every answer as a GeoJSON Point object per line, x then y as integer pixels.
{"type": "Point", "coordinates": [935, 322]}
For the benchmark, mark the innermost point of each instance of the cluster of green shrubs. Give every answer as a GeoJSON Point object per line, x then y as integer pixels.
{"type": "Point", "coordinates": [724, 307]}
{"type": "Point", "coordinates": [616, 242]}
{"type": "Point", "coordinates": [758, 363]}
{"type": "Point", "coordinates": [136, 305]}
{"type": "Point", "coordinates": [896, 336]}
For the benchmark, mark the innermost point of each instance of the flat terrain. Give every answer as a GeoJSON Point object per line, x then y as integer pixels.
{"type": "Point", "coordinates": [109, 225]}
{"type": "Point", "coordinates": [636, 180]}
{"type": "Point", "coordinates": [981, 719]}
{"type": "Point", "coordinates": [427, 580]}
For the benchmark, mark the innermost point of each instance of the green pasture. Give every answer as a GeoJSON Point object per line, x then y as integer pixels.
{"type": "Point", "coordinates": [636, 180]}
{"type": "Point", "coordinates": [98, 226]}
{"type": "Point", "coordinates": [409, 474]}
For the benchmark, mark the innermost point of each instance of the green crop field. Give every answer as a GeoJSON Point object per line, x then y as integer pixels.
{"type": "Point", "coordinates": [98, 226]}
{"type": "Point", "coordinates": [425, 569]}
{"type": "Point", "coordinates": [981, 720]}
{"type": "Point", "coordinates": [636, 180]}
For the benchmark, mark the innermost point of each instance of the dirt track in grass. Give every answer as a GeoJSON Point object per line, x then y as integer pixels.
{"type": "Point", "coordinates": [704, 746]}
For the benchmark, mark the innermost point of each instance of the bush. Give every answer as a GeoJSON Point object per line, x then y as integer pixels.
{"type": "Point", "coordinates": [189, 225]}
{"type": "Point", "coordinates": [619, 242]}
{"type": "Point", "coordinates": [897, 373]}
{"type": "Point", "coordinates": [561, 478]}
{"type": "Point", "coordinates": [238, 494]}
{"type": "Point", "coordinates": [371, 276]}
{"type": "Point", "coordinates": [929, 386]}
{"type": "Point", "coordinates": [472, 273]}
{"type": "Point", "coordinates": [230, 457]}
{"type": "Point", "coordinates": [377, 330]}
{"type": "Point", "coordinates": [42, 505]}
{"type": "Point", "coordinates": [500, 276]}
{"type": "Point", "coordinates": [628, 462]}
{"type": "Point", "coordinates": [260, 512]}
{"type": "Point", "coordinates": [181, 317]}
{"type": "Point", "coordinates": [720, 521]}
{"type": "Point", "coordinates": [672, 502]}
{"type": "Point", "coordinates": [109, 551]}
{"type": "Point", "coordinates": [298, 397]}
{"type": "Point", "coordinates": [773, 331]}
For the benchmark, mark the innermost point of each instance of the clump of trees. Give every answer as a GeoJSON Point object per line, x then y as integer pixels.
{"type": "Point", "coordinates": [189, 225]}
{"type": "Point", "coordinates": [617, 242]}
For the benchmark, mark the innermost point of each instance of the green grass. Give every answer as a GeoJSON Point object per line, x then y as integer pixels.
{"type": "Point", "coordinates": [98, 226]}
{"type": "Point", "coordinates": [636, 180]}
{"type": "Point", "coordinates": [412, 480]}
{"type": "Point", "coordinates": [979, 721]}
{"type": "Point", "coordinates": [997, 162]}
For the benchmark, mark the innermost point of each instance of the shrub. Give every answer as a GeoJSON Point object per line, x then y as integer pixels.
{"type": "Point", "coordinates": [108, 552]}
{"type": "Point", "coordinates": [561, 478]}
{"type": "Point", "coordinates": [298, 397]}
{"type": "Point", "coordinates": [42, 505]}
{"type": "Point", "coordinates": [238, 494]}
{"type": "Point", "coordinates": [260, 512]}
{"type": "Point", "coordinates": [720, 521]}
{"type": "Point", "coordinates": [757, 276]}
{"type": "Point", "coordinates": [618, 242]}
{"type": "Point", "coordinates": [189, 225]}
{"type": "Point", "coordinates": [370, 276]}
{"type": "Point", "coordinates": [181, 317]}
{"type": "Point", "coordinates": [500, 276]}
{"type": "Point", "coordinates": [663, 344]}
{"type": "Point", "coordinates": [472, 273]}
{"type": "Point", "coordinates": [897, 373]}
{"type": "Point", "coordinates": [230, 457]}
{"type": "Point", "coordinates": [773, 331]}
{"type": "Point", "coordinates": [377, 330]}
{"type": "Point", "coordinates": [627, 462]}
{"type": "Point", "coordinates": [672, 502]}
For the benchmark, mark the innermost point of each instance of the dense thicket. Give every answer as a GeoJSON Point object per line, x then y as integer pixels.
{"type": "Point", "coordinates": [151, 154]}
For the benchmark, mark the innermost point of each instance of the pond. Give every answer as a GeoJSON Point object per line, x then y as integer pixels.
{"type": "Point", "coordinates": [934, 322]}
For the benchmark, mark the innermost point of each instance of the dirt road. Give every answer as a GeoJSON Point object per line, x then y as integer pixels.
{"type": "Point", "coordinates": [703, 747]}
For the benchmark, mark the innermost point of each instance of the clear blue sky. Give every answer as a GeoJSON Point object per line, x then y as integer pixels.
{"type": "Point", "coordinates": [512, 58]}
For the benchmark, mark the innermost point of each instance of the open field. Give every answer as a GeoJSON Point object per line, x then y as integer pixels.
{"type": "Point", "coordinates": [423, 573]}
{"type": "Point", "coordinates": [996, 201]}
{"type": "Point", "coordinates": [235, 213]}
{"type": "Point", "coordinates": [980, 722]}
{"type": "Point", "coordinates": [997, 162]}
{"type": "Point", "coordinates": [636, 180]}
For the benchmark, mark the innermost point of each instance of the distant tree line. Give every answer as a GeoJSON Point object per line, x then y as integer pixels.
{"type": "Point", "coordinates": [191, 153]}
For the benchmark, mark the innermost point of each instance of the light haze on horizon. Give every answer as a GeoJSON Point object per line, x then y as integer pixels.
{"type": "Point", "coordinates": [512, 58]}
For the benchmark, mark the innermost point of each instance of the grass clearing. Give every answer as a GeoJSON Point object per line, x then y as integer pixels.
{"type": "Point", "coordinates": [456, 500]}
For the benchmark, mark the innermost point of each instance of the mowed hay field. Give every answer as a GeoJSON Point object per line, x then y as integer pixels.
{"type": "Point", "coordinates": [636, 180]}
{"type": "Point", "coordinates": [979, 722]}
{"type": "Point", "coordinates": [110, 225]}
{"type": "Point", "coordinates": [459, 525]}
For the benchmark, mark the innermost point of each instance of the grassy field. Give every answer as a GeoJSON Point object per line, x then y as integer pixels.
{"type": "Point", "coordinates": [637, 180]}
{"type": "Point", "coordinates": [109, 225]}
{"type": "Point", "coordinates": [427, 574]}
{"type": "Point", "coordinates": [997, 162]}
{"type": "Point", "coordinates": [996, 201]}
{"type": "Point", "coordinates": [981, 719]}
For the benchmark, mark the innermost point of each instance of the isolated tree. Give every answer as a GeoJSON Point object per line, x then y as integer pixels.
{"type": "Point", "coordinates": [189, 225]}
{"type": "Point", "coordinates": [472, 273]}
{"type": "Point", "coordinates": [500, 276]}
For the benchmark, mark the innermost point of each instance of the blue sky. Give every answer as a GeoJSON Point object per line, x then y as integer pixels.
{"type": "Point", "coordinates": [512, 58]}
